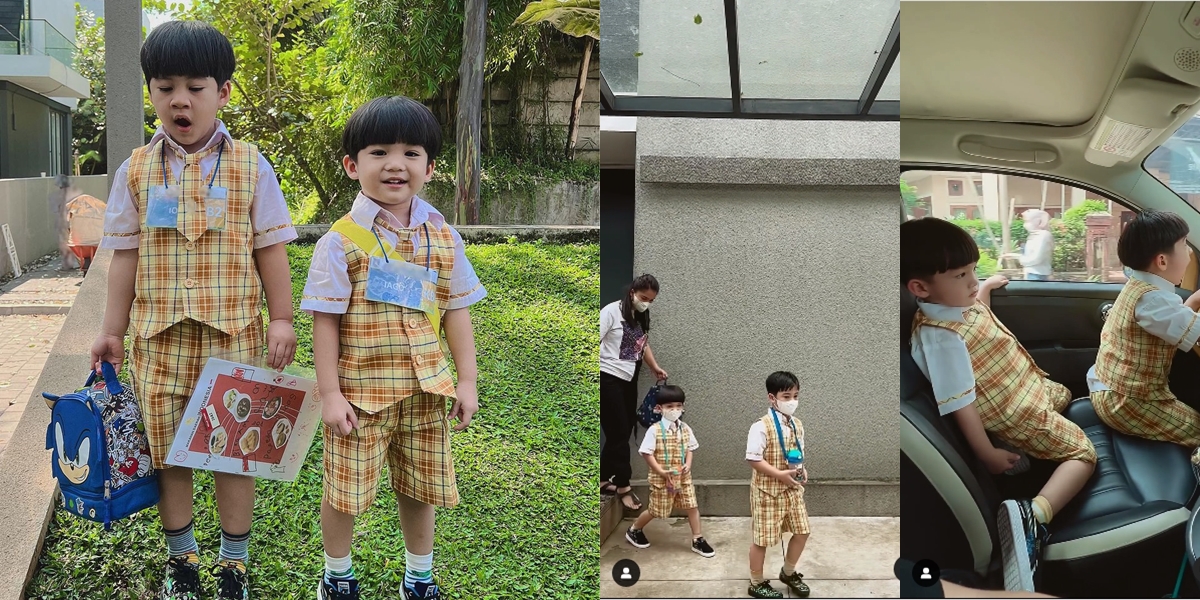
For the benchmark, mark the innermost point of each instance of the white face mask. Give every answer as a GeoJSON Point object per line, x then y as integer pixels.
{"type": "Point", "coordinates": [787, 407]}
{"type": "Point", "coordinates": [640, 306]}
{"type": "Point", "coordinates": [672, 414]}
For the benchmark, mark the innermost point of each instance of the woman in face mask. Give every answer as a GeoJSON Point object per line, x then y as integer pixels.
{"type": "Point", "coordinates": [624, 325]}
{"type": "Point", "coordinates": [1039, 248]}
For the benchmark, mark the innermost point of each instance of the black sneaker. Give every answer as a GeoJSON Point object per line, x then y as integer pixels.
{"type": "Point", "coordinates": [763, 589]}
{"type": "Point", "coordinates": [182, 579]}
{"type": "Point", "coordinates": [231, 580]}
{"type": "Point", "coordinates": [1021, 542]}
{"type": "Point", "coordinates": [701, 547]}
{"type": "Point", "coordinates": [423, 591]}
{"type": "Point", "coordinates": [637, 537]}
{"type": "Point", "coordinates": [796, 582]}
{"type": "Point", "coordinates": [338, 588]}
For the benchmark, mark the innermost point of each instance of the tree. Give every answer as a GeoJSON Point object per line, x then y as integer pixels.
{"type": "Point", "coordinates": [470, 93]}
{"type": "Point", "coordinates": [578, 18]}
{"type": "Point", "coordinates": [87, 123]}
{"type": "Point", "coordinates": [908, 193]}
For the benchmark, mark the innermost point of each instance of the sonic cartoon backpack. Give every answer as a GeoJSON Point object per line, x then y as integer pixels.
{"type": "Point", "coordinates": [100, 454]}
{"type": "Point", "coordinates": [645, 413]}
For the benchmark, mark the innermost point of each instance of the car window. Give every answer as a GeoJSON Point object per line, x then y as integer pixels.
{"type": "Point", "coordinates": [1176, 163]}
{"type": "Point", "coordinates": [1072, 233]}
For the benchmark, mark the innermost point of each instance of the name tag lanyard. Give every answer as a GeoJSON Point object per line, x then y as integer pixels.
{"type": "Point", "coordinates": [383, 249]}
{"type": "Point", "coordinates": [162, 155]}
{"type": "Point", "coordinates": [667, 448]}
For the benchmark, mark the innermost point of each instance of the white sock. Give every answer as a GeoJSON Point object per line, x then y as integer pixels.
{"type": "Point", "coordinates": [338, 567]}
{"type": "Point", "coordinates": [417, 568]}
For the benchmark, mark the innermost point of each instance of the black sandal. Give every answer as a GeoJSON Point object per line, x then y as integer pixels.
{"type": "Point", "coordinates": [630, 494]}
{"type": "Point", "coordinates": [608, 488]}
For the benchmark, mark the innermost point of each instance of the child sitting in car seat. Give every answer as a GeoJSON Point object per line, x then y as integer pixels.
{"type": "Point", "coordinates": [1144, 327]}
{"type": "Point", "coordinates": [982, 374]}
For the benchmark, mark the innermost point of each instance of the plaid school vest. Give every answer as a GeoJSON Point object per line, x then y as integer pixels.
{"type": "Point", "coordinates": [390, 352]}
{"type": "Point", "coordinates": [211, 278]}
{"type": "Point", "coordinates": [1131, 361]}
{"type": "Point", "coordinates": [671, 454]}
{"type": "Point", "coordinates": [774, 455]}
{"type": "Point", "coordinates": [1005, 374]}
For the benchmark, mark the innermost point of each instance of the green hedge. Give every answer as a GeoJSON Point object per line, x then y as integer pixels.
{"type": "Point", "coordinates": [1070, 233]}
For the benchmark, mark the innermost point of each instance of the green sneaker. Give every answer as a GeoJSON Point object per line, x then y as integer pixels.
{"type": "Point", "coordinates": [182, 579]}
{"type": "Point", "coordinates": [764, 590]}
{"type": "Point", "coordinates": [796, 582]}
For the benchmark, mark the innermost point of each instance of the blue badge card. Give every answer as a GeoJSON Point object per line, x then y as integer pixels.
{"type": "Point", "coordinates": [403, 284]}
{"type": "Point", "coordinates": [163, 207]}
{"type": "Point", "coordinates": [214, 208]}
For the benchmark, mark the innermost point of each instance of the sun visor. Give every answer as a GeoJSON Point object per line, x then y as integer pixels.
{"type": "Point", "coordinates": [1138, 113]}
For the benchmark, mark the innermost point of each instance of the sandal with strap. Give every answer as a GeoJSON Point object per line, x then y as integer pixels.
{"type": "Point", "coordinates": [629, 494]}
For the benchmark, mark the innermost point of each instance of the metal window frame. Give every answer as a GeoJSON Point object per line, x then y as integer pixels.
{"type": "Point", "coordinates": [866, 108]}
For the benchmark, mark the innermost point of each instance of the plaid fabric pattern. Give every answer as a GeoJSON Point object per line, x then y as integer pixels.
{"type": "Point", "coordinates": [670, 454]}
{"type": "Point", "coordinates": [1165, 421]}
{"type": "Point", "coordinates": [189, 272]}
{"type": "Point", "coordinates": [390, 352]}
{"type": "Point", "coordinates": [775, 508]}
{"type": "Point", "coordinates": [1131, 361]}
{"type": "Point", "coordinates": [1015, 399]}
{"type": "Point", "coordinates": [166, 367]}
{"type": "Point", "coordinates": [415, 438]}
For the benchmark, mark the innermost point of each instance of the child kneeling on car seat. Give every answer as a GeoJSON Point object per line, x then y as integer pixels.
{"type": "Point", "coordinates": [982, 374]}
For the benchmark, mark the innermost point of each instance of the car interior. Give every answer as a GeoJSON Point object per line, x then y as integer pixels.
{"type": "Point", "coordinates": [1081, 94]}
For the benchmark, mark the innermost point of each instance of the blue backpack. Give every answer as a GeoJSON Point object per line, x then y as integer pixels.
{"type": "Point", "coordinates": [100, 454]}
{"type": "Point", "coordinates": [645, 413]}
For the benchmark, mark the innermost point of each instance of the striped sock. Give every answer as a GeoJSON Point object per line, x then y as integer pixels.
{"type": "Point", "coordinates": [235, 547]}
{"type": "Point", "coordinates": [418, 571]}
{"type": "Point", "coordinates": [181, 541]}
{"type": "Point", "coordinates": [338, 568]}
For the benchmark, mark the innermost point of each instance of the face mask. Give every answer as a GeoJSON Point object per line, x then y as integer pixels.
{"type": "Point", "coordinates": [787, 407]}
{"type": "Point", "coordinates": [1029, 227]}
{"type": "Point", "coordinates": [672, 414]}
{"type": "Point", "coordinates": [640, 305]}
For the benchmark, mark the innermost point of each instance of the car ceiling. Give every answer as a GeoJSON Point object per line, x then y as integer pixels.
{"type": "Point", "coordinates": [1030, 83]}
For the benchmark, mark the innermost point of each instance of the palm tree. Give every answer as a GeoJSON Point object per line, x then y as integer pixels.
{"type": "Point", "coordinates": [576, 18]}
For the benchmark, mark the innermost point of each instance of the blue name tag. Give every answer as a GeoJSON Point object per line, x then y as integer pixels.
{"type": "Point", "coordinates": [402, 284]}
{"type": "Point", "coordinates": [163, 207]}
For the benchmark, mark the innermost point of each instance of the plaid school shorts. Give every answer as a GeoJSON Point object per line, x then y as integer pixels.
{"type": "Point", "coordinates": [413, 435]}
{"type": "Point", "coordinates": [773, 515]}
{"type": "Point", "coordinates": [167, 366]}
{"type": "Point", "coordinates": [661, 502]}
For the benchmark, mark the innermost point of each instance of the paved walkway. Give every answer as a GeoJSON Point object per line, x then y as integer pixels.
{"type": "Point", "coordinates": [846, 557]}
{"type": "Point", "coordinates": [33, 308]}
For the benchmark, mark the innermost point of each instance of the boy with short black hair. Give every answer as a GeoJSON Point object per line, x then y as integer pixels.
{"type": "Point", "coordinates": [1147, 323]}
{"type": "Point", "coordinates": [667, 448]}
{"type": "Point", "coordinates": [383, 283]}
{"type": "Point", "coordinates": [199, 226]}
{"type": "Point", "coordinates": [982, 374]}
{"type": "Point", "coordinates": [775, 450]}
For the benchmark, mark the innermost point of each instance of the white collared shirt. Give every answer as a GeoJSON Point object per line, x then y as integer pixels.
{"type": "Point", "coordinates": [756, 440]}
{"type": "Point", "coordinates": [328, 287]}
{"type": "Point", "coordinates": [943, 357]}
{"type": "Point", "coordinates": [1162, 313]}
{"type": "Point", "coordinates": [650, 442]}
{"type": "Point", "coordinates": [269, 214]}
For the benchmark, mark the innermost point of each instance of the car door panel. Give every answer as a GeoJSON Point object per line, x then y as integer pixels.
{"type": "Point", "coordinates": [1059, 323]}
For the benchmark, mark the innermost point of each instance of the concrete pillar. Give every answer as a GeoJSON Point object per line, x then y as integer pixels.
{"type": "Point", "coordinates": [123, 79]}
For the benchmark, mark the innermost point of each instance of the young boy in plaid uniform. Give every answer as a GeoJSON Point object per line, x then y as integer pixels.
{"type": "Point", "coordinates": [189, 282]}
{"type": "Point", "coordinates": [381, 369]}
{"type": "Point", "coordinates": [1145, 326]}
{"type": "Point", "coordinates": [775, 450]}
{"type": "Point", "coordinates": [982, 374]}
{"type": "Point", "coordinates": [668, 448]}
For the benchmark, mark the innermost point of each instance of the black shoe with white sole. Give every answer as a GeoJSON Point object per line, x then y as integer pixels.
{"type": "Point", "coordinates": [1022, 538]}
{"type": "Point", "coordinates": [701, 547]}
{"type": "Point", "coordinates": [637, 537]}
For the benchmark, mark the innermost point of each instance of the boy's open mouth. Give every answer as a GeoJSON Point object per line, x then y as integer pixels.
{"type": "Point", "coordinates": [395, 181]}
{"type": "Point", "coordinates": [183, 122]}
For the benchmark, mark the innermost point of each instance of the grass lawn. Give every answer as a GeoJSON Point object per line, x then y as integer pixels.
{"type": "Point", "coordinates": [526, 523]}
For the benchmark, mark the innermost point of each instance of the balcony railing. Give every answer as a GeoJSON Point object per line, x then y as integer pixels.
{"type": "Point", "coordinates": [37, 37]}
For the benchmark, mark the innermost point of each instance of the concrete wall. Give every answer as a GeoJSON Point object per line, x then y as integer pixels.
{"type": "Point", "coordinates": [27, 206]}
{"type": "Point", "coordinates": [757, 278]}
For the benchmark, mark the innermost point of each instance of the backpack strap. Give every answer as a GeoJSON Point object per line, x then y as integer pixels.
{"type": "Point", "coordinates": [364, 238]}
